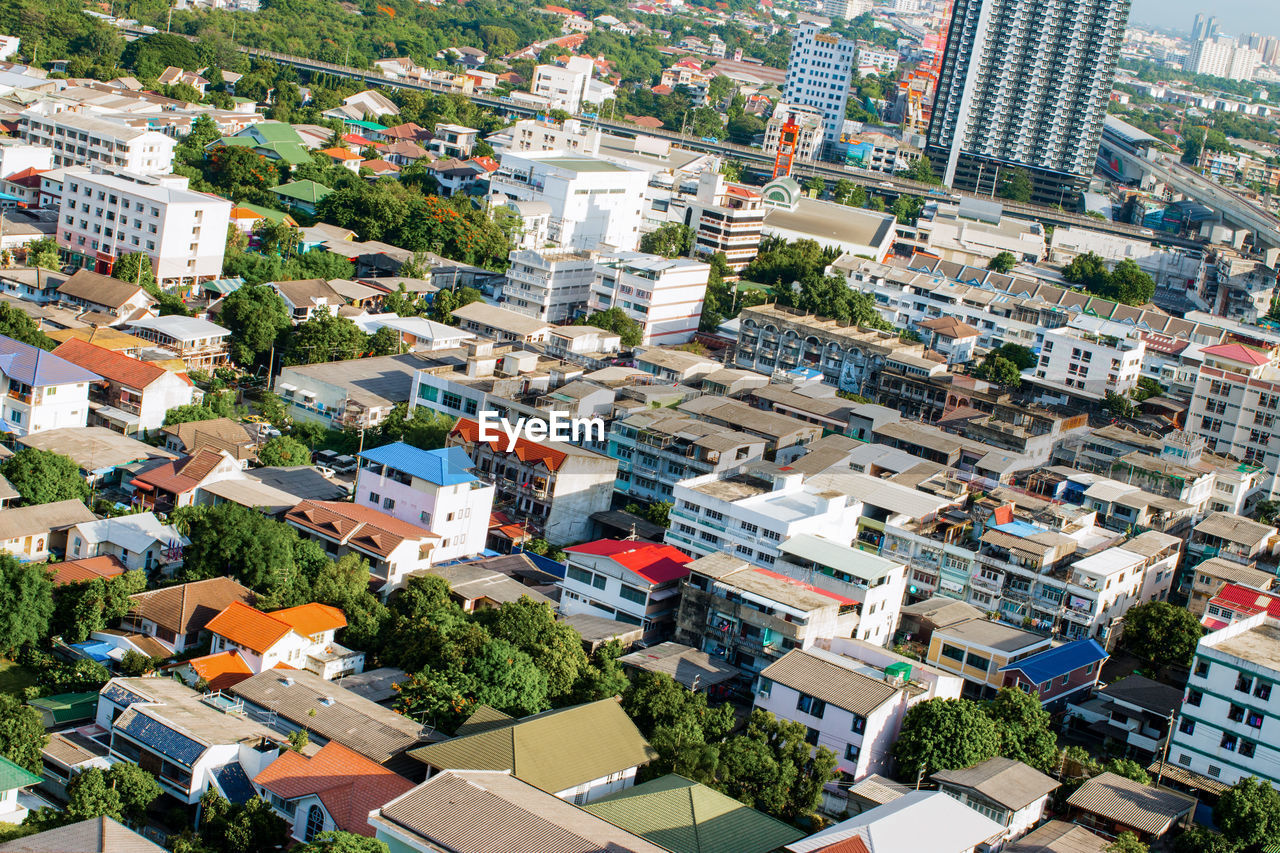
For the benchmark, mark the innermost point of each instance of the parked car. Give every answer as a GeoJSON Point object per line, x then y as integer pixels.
{"type": "Point", "coordinates": [344, 464]}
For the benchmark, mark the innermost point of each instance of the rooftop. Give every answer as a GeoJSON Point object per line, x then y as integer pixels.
{"type": "Point", "coordinates": [655, 563]}
{"type": "Point", "coordinates": [837, 680]}
{"type": "Point", "coordinates": [843, 558]}
{"type": "Point", "coordinates": [1047, 665]}
{"type": "Point", "coordinates": [94, 449]}
{"type": "Point", "coordinates": [1009, 783]}
{"type": "Point", "coordinates": [687, 665]}
{"type": "Point", "coordinates": [37, 368]}
{"type": "Point", "coordinates": [992, 635]}
{"type": "Point", "coordinates": [1130, 803]}
{"type": "Point", "coordinates": [1259, 644]}
{"type": "Point", "coordinates": [916, 821]}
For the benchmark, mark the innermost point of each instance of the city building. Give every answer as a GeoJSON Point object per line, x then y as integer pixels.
{"type": "Point", "coordinates": [549, 284]}
{"type": "Point", "coordinates": [847, 9]}
{"type": "Point", "coordinates": [805, 122]}
{"type": "Point", "coordinates": [177, 615]}
{"type": "Point", "coordinates": [104, 216]}
{"type": "Point", "coordinates": [358, 393]}
{"type": "Point", "coordinates": [501, 324]}
{"type": "Point", "coordinates": [297, 637]}
{"type": "Point", "coordinates": [726, 219]}
{"type": "Point", "coordinates": [133, 395]}
{"type": "Point", "coordinates": [17, 156]}
{"type": "Point", "coordinates": [41, 390]}
{"type": "Point", "coordinates": [1222, 56]}
{"type": "Point", "coordinates": [855, 706]}
{"type": "Point", "coordinates": [1007, 791]}
{"type": "Point", "coordinates": [1079, 363]}
{"type": "Point", "coordinates": [1215, 575]}
{"type": "Point", "coordinates": [553, 487]}
{"type": "Point", "coordinates": [31, 533]}
{"type": "Point", "coordinates": [393, 547]}
{"type": "Point", "coordinates": [917, 820]}
{"type": "Point", "coordinates": [89, 139]}
{"type": "Point", "coordinates": [200, 345]}
{"type": "Point", "coordinates": [433, 489]}
{"type": "Point", "coordinates": [877, 584]}
{"type": "Point", "coordinates": [564, 86]}
{"type": "Point", "coordinates": [663, 295]}
{"type": "Point", "coordinates": [101, 294]}
{"type": "Point", "coordinates": [819, 72]}
{"type": "Point", "coordinates": [594, 203]}
{"type": "Point", "coordinates": [978, 650]}
{"type": "Point", "coordinates": [138, 541]}
{"type": "Point", "coordinates": [1236, 404]}
{"type": "Point", "coordinates": [1025, 85]}
{"type": "Point", "coordinates": [1056, 674]}
{"type": "Point", "coordinates": [1114, 804]}
{"type": "Point", "coordinates": [655, 449]}
{"type": "Point", "coordinates": [631, 581]}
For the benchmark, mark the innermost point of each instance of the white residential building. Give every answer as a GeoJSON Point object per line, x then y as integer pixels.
{"type": "Point", "coordinates": [854, 699]}
{"type": "Point", "coordinates": [810, 133]}
{"type": "Point", "coordinates": [1236, 405]}
{"type": "Point", "coordinates": [847, 9]}
{"type": "Point", "coordinates": [628, 581]}
{"type": "Point", "coordinates": [663, 295]}
{"type": "Point", "coordinates": [17, 155]}
{"type": "Point", "coordinates": [871, 59]}
{"type": "Point", "coordinates": [877, 584]}
{"type": "Point", "coordinates": [184, 233]}
{"type": "Point", "coordinates": [434, 489]}
{"type": "Point", "coordinates": [297, 637]}
{"type": "Point", "coordinates": [393, 547]}
{"type": "Point", "coordinates": [41, 390]}
{"type": "Point", "coordinates": [1222, 56]}
{"type": "Point", "coordinates": [550, 284]}
{"type": "Point", "coordinates": [139, 541]}
{"type": "Point", "coordinates": [594, 203]}
{"type": "Point", "coordinates": [1080, 362]}
{"type": "Point", "coordinates": [79, 139]}
{"type": "Point", "coordinates": [565, 86]}
{"type": "Point", "coordinates": [819, 73]}
{"type": "Point", "coordinates": [1231, 709]}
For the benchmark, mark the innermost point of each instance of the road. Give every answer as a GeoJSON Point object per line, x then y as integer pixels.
{"type": "Point", "coordinates": [876, 182]}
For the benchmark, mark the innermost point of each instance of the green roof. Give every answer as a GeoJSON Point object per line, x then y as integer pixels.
{"type": "Point", "coordinates": [293, 153]}
{"type": "Point", "coordinates": [306, 191]}
{"type": "Point", "coordinates": [12, 776]}
{"type": "Point", "coordinates": [273, 131]}
{"type": "Point", "coordinates": [369, 125]}
{"type": "Point", "coordinates": [66, 707]}
{"type": "Point", "coordinates": [685, 817]}
{"type": "Point", "coordinates": [554, 751]}
{"type": "Point", "coordinates": [268, 213]}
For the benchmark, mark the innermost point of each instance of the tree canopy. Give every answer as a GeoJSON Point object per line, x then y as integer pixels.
{"type": "Point", "coordinates": [1162, 634]}
{"type": "Point", "coordinates": [42, 476]}
{"type": "Point", "coordinates": [671, 240]}
{"type": "Point", "coordinates": [14, 323]}
{"type": "Point", "coordinates": [283, 451]}
{"type": "Point", "coordinates": [256, 315]}
{"type": "Point", "coordinates": [1127, 283]}
{"type": "Point", "coordinates": [1024, 728]}
{"type": "Point", "coordinates": [945, 734]}
{"type": "Point", "coordinates": [1248, 813]}
{"type": "Point", "coordinates": [615, 320]}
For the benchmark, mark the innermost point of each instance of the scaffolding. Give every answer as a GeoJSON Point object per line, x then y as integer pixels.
{"type": "Point", "coordinates": [787, 139]}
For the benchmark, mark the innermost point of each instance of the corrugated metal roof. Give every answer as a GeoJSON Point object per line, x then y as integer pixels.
{"type": "Point", "coordinates": [1130, 803]}
{"type": "Point", "coordinates": [829, 681]}
{"type": "Point", "coordinates": [447, 466]}
{"type": "Point", "coordinates": [1060, 660]}
{"type": "Point", "coordinates": [1010, 783]}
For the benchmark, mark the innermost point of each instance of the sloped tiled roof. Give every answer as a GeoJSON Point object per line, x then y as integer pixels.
{"type": "Point", "coordinates": [77, 571]}
{"type": "Point", "coordinates": [248, 627]}
{"type": "Point", "coordinates": [686, 817]}
{"type": "Point", "coordinates": [221, 670]}
{"type": "Point", "coordinates": [101, 289]}
{"type": "Point", "coordinates": [525, 451]}
{"type": "Point", "coordinates": [1010, 783]}
{"type": "Point", "coordinates": [357, 526]}
{"type": "Point", "coordinates": [1239, 353]}
{"type": "Point", "coordinates": [313, 618]}
{"type": "Point", "coordinates": [842, 686]}
{"type": "Point", "coordinates": [655, 563]}
{"type": "Point", "coordinates": [21, 521]}
{"type": "Point", "coordinates": [96, 835]}
{"type": "Point", "coordinates": [535, 749]}
{"type": "Point", "coordinates": [349, 785]}
{"type": "Point", "coordinates": [38, 368]}
{"type": "Point", "coordinates": [188, 607]}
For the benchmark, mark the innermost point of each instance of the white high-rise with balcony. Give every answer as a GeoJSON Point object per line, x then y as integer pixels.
{"type": "Point", "coordinates": [818, 75]}
{"type": "Point", "coordinates": [89, 140]}
{"type": "Point", "coordinates": [550, 284]}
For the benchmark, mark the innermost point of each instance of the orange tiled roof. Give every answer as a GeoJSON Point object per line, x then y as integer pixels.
{"type": "Point", "coordinates": [92, 568]}
{"type": "Point", "coordinates": [222, 671]}
{"type": "Point", "coordinates": [340, 154]}
{"type": "Point", "coordinates": [249, 627]}
{"type": "Point", "coordinates": [349, 785]}
{"type": "Point", "coordinates": [313, 618]}
{"type": "Point", "coordinates": [357, 526]}
{"type": "Point", "coordinates": [110, 364]}
{"type": "Point", "coordinates": [526, 451]}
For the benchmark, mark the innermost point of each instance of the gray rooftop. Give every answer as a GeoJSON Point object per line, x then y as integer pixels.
{"type": "Point", "coordinates": [692, 668]}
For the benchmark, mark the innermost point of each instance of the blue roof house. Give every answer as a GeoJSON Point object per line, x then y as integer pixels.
{"type": "Point", "coordinates": [434, 489]}
{"type": "Point", "coordinates": [1059, 673]}
{"type": "Point", "coordinates": [39, 390]}
{"type": "Point", "coordinates": [189, 744]}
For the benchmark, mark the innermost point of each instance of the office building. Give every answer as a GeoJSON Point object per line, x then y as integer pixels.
{"type": "Point", "coordinates": [819, 74]}
{"type": "Point", "coordinates": [808, 122]}
{"type": "Point", "coordinates": [847, 9]}
{"type": "Point", "coordinates": [726, 219]}
{"type": "Point", "coordinates": [1025, 84]}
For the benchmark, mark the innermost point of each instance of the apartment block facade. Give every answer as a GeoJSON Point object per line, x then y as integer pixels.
{"type": "Point", "coordinates": [80, 139]}
{"type": "Point", "coordinates": [550, 284]}
{"type": "Point", "coordinates": [663, 295]}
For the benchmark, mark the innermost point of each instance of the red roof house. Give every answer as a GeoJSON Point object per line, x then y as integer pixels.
{"type": "Point", "coordinates": [628, 580]}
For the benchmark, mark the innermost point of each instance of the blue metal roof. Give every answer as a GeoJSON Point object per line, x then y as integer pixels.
{"type": "Point", "coordinates": [233, 782]}
{"type": "Point", "coordinates": [1021, 529]}
{"type": "Point", "coordinates": [448, 466]}
{"type": "Point", "coordinates": [38, 368]}
{"type": "Point", "coordinates": [1058, 661]}
{"type": "Point", "coordinates": [158, 737]}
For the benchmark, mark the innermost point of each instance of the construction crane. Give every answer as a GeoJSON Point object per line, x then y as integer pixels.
{"type": "Point", "coordinates": [787, 138]}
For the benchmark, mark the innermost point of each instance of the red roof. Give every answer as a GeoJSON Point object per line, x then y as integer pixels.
{"type": "Point", "coordinates": [808, 586]}
{"type": "Point", "coordinates": [1239, 353]}
{"type": "Point", "coordinates": [1245, 601]}
{"type": "Point", "coordinates": [655, 563]}
{"type": "Point", "coordinates": [525, 451]}
{"type": "Point", "coordinates": [379, 166]}
{"type": "Point", "coordinates": [662, 89]}
{"type": "Point", "coordinates": [349, 785]}
{"type": "Point", "coordinates": [110, 364]}
{"type": "Point", "coordinates": [852, 844]}
{"type": "Point", "coordinates": [222, 671]}
{"type": "Point", "coordinates": [487, 163]}
{"type": "Point", "coordinates": [76, 571]}
{"type": "Point", "coordinates": [357, 139]}
{"type": "Point", "coordinates": [248, 627]}
{"type": "Point", "coordinates": [361, 527]}
{"type": "Point", "coordinates": [28, 177]}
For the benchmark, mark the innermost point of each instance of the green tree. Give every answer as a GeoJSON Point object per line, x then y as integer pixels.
{"type": "Point", "coordinates": [771, 767]}
{"type": "Point", "coordinates": [922, 170]}
{"type": "Point", "coordinates": [1022, 357]}
{"type": "Point", "coordinates": [249, 828]}
{"type": "Point", "coordinates": [1024, 728]}
{"type": "Point", "coordinates": [88, 606]}
{"type": "Point", "coordinates": [135, 268]}
{"type": "Point", "coordinates": [604, 676]}
{"type": "Point", "coordinates": [325, 337]}
{"type": "Point", "coordinates": [22, 734]}
{"type": "Point", "coordinates": [342, 842]}
{"type": "Point", "coordinates": [1117, 404]}
{"type": "Point", "coordinates": [256, 315]}
{"type": "Point", "coordinates": [671, 240]}
{"type": "Point", "coordinates": [1088, 270]}
{"type": "Point", "coordinates": [1016, 185]}
{"type": "Point", "coordinates": [659, 513]}
{"type": "Point", "coordinates": [43, 253]}
{"type": "Point", "coordinates": [403, 303]}
{"type": "Point", "coordinates": [815, 186]}
{"type": "Point", "coordinates": [425, 429]}
{"type": "Point", "coordinates": [679, 723]}
{"type": "Point", "coordinates": [298, 740]}
{"type": "Point", "coordinates": [1003, 262]}
{"type": "Point", "coordinates": [136, 788]}
{"type": "Point", "coordinates": [1126, 842]}
{"type": "Point", "coordinates": [842, 190]}
{"type": "Point", "coordinates": [42, 476]}
{"type": "Point", "coordinates": [15, 324]}
{"type": "Point", "coordinates": [26, 604]}
{"type": "Point", "coordinates": [1127, 283]}
{"type": "Point", "coordinates": [277, 238]}
{"type": "Point", "coordinates": [384, 341]}
{"type": "Point", "coordinates": [1162, 634]}
{"type": "Point", "coordinates": [445, 302]}
{"type": "Point", "coordinates": [1267, 511]}
{"type": "Point", "coordinates": [555, 647]}
{"type": "Point", "coordinates": [945, 734]}
{"type": "Point", "coordinates": [1200, 839]}
{"type": "Point", "coordinates": [1248, 813]}
{"type": "Point", "coordinates": [616, 321]}
{"type": "Point", "coordinates": [283, 451]}
{"type": "Point", "coordinates": [230, 539]}
{"type": "Point", "coordinates": [90, 795]}
{"type": "Point", "coordinates": [999, 371]}
{"type": "Point", "coordinates": [1129, 769]}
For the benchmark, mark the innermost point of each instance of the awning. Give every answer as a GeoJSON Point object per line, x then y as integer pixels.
{"type": "Point", "coordinates": [118, 416]}
{"type": "Point", "coordinates": [138, 484]}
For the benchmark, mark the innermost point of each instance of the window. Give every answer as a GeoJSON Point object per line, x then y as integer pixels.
{"type": "Point", "coordinates": [811, 705]}
{"type": "Point", "coordinates": [1262, 690]}
{"type": "Point", "coordinates": [952, 652]}
{"type": "Point", "coordinates": [811, 737]}
{"type": "Point", "coordinates": [450, 400]}
{"type": "Point", "coordinates": [388, 503]}
{"type": "Point", "coordinates": [1247, 748]}
{"type": "Point", "coordinates": [978, 662]}
{"type": "Point", "coordinates": [1236, 714]}
{"type": "Point", "coordinates": [579, 575]}
{"type": "Point", "coordinates": [859, 724]}
{"type": "Point", "coordinates": [852, 752]}
{"type": "Point", "coordinates": [1228, 742]}
{"type": "Point", "coordinates": [630, 593]}
{"type": "Point", "coordinates": [598, 581]}
{"type": "Point", "coordinates": [315, 823]}
{"type": "Point", "coordinates": [1193, 697]}
{"type": "Point", "coordinates": [1202, 669]}
{"type": "Point", "coordinates": [1244, 683]}
{"type": "Point", "coordinates": [375, 498]}
{"type": "Point", "coordinates": [1253, 720]}
{"type": "Point", "coordinates": [1187, 726]}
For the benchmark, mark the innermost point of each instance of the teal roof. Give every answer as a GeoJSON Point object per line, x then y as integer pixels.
{"type": "Point", "coordinates": [305, 191]}
{"type": "Point", "coordinates": [66, 707]}
{"type": "Point", "coordinates": [369, 125]}
{"type": "Point", "coordinates": [686, 817]}
{"type": "Point", "coordinates": [12, 776]}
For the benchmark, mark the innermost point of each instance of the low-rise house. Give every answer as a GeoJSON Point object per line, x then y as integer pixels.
{"type": "Point", "coordinates": [304, 297]}
{"type": "Point", "coordinates": [31, 533]}
{"type": "Point", "coordinates": [393, 547]}
{"type": "Point", "coordinates": [41, 390]}
{"type": "Point", "coordinates": [299, 700]}
{"type": "Point", "coordinates": [83, 571]}
{"type": "Point", "coordinates": [418, 334]}
{"type": "Point", "coordinates": [95, 835]}
{"type": "Point", "coordinates": [1113, 804]}
{"type": "Point", "coordinates": [104, 456]}
{"type": "Point", "coordinates": [302, 196]}
{"type": "Point", "coordinates": [217, 434]}
{"type": "Point", "coordinates": [176, 615]}
{"type": "Point", "coordinates": [14, 780]}
{"type": "Point", "coordinates": [694, 669]}
{"type": "Point", "coordinates": [333, 790]}
{"type": "Point", "coordinates": [1211, 577]}
{"type": "Point", "coordinates": [1058, 836]}
{"type": "Point", "coordinates": [1057, 674]}
{"type": "Point", "coordinates": [168, 485]}
{"type": "Point", "coordinates": [475, 587]}
{"type": "Point", "coordinates": [360, 392]}
{"type": "Point", "coordinates": [854, 707]}
{"type": "Point", "coordinates": [630, 581]}
{"type": "Point", "coordinates": [1134, 711]}
{"type": "Point", "coordinates": [608, 749]}
{"type": "Point", "coordinates": [200, 344]}
{"type": "Point", "coordinates": [1007, 791]}
{"type": "Point", "coordinates": [192, 745]}
{"type": "Point", "coordinates": [134, 395]}
{"type": "Point", "coordinates": [117, 300]}
{"type": "Point", "coordinates": [686, 817]}
{"type": "Point", "coordinates": [298, 637]}
{"type": "Point", "coordinates": [978, 650]}
{"type": "Point", "coordinates": [914, 822]}
{"type": "Point", "coordinates": [1236, 602]}
{"type": "Point", "coordinates": [215, 672]}
{"type": "Point", "coordinates": [139, 541]}
{"type": "Point", "coordinates": [500, 324]}
{"type": "Point", "coordinates": [502, 813]}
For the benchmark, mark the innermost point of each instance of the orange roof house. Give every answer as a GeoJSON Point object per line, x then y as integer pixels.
{"type": "Point", "coordinates": [248, 628]}
{"type": "Point", "coordinates": [345, 785]}
{"type": "Point", "coordinates": [220, 671]}
{"type": "Point", "coordinates": [392, 547]}
{"type": "Point", "coordinates": [311, 619]}
{"type": "Point", "coordinates": [90, 569]}
{"type": "Point", "coordinates": [299, 637]}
